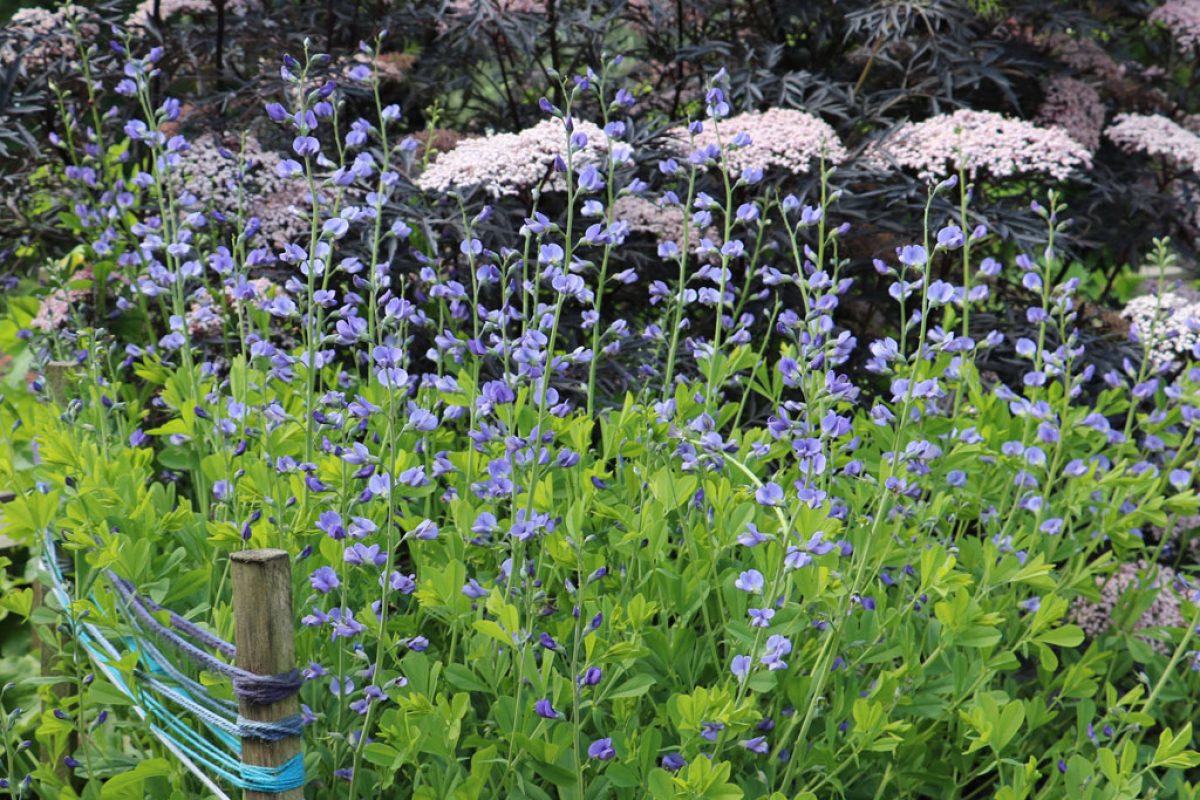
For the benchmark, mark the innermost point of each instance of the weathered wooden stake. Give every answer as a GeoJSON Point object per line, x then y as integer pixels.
{"type": "Point", "coordinates": [58, 380]}
{"type": "Point", "coordinates": [262, 618]}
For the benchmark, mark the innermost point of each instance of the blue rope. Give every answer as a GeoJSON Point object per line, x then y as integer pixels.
{"type": "Point", "coordinates": [219, 716]}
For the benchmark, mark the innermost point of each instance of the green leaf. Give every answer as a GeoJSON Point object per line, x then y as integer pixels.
{"type": "Point", "coordinates": [493, 629]}
{"type": "Point", "coordinates": [460, 676]}
{"type": "Point", "coordinates": [978, 636]}
{"type": "Point", "coordinates": [636, 686]}
{"type": "Point", "coordinates": [1108, 765]}
{"type": "Point", "coordinates": [18, 601]}
{"type": "Point", "coordinates": [130, 784]}
{"type": "Point", "coordinates": [1066, 636]}
{"type": "Point", "coordinates": [382, 755]}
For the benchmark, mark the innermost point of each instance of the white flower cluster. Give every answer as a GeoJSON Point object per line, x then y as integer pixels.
{"type": "Point", "coordinates": [1074, 106]}
{"type": "Point", "coordinates": [1155, 135]}
{"type": "Point", "coordinates": [1182, 19]}
{"type": "Point", "coordinates": [980, 142]}
{"type": "Point", "coordinates": [1164, 612]}
{"type": "Point", "coordinates": [779, 139]}
{"type": "Point", "coordinates": [504, 164]}
{"type": "Point", "coordinates": [1167, 322]}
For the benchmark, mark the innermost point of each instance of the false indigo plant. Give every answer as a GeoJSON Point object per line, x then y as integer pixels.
{"type": "Point", "coordinates": [781, 562]}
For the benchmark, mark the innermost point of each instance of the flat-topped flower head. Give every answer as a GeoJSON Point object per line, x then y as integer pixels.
{"type": "Point", "coordinates": [980, 143]}
{"type": "Point", "coordinates": [772, 141]}
{"type": "Point", "coordinates": [1182, 19]}
{"type": "Point", "coordinates": [505, 164]}
{"type": "Point", "coordinates": [1156, 135]}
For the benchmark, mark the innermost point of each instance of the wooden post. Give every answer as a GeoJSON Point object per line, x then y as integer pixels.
{"type": "Point", "coordinates": [58, 380]}
{"type": "Point", "coordinates": [263, 628]}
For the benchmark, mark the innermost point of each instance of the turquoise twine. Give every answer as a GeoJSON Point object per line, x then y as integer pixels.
{"type": "Point", "coordinates": [170, 728]}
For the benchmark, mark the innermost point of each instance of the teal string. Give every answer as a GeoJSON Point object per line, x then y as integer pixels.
{"type": "Point", "coordinates": [217, 715]}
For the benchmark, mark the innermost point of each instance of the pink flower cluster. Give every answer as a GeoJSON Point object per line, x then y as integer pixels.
{"type": "Point", "coordinates": [504, 164]}
{"type": "Point", "coordinates": [1164, 612]}
{"type": "Point", "coordinates": [56, 307]}
{"type": "Point", "coordinates": [281, 205]}
{"type": "Point", "coordinates": [664, 222]}
{"type": "Point", "coordinates": [39, 36]}
{"type": "Point", "coordinates": [1182, 19]}
{"type": "Point", "coordinates": [1156, 135]}
{"type": "Point", "coordinates": [780, 139]}
{"type": "Point", "coordinates": [469, 7]}
{"type": "Point", "coordinates": [980, 142]}
{"type": "Point", "coordinates": [1089, 58]}
{"type": "Point", "coordinates": [143, 15]}
{"type": "Point", "coordinates": [1074, 106]}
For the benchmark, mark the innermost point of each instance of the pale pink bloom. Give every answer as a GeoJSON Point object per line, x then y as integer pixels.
{"type": "Point", "coordinates": [281, 204]}
{"type": "Point", "coordinates": [39, 36]}
{"type": "Point", "coordinates": [664, 222]}
{"type": "Point", "coordinates": [507, 163]}
{"type": "Point", "coordinates": [1182, 19]}
{"type": "Point", "coordinates": [1089, 58]}
{"type": "Point", "coordinates": [56, 306]}
{"type": "Point", "coordinates": [495, 7]}
{"type": "Point", "coordinates": [204, 317]}
{"type": "Point", "coordinates": [980, 142]}
{"type": "Point", "coordinates": [1156, 135]}
{"type": "Point", "coordinates": [143, 15]}
{"type": "Point", "coordinates": [781, 139]}
{"type": "Point", "coordinates": [1074, 106]}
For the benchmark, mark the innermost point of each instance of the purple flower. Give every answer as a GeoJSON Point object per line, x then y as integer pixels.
{"type": "Point", "coordinates": [752, 537]}
{"type": "Point", "coordinates": [590, 179]}
{"type": "Point", "coordinates": [940, 293]}
{"type": "Point", "coordinates": [1052, 526]}
{"type": "Point", "coordinates": [590, 677]}
{"type": "Point", "coordinates": [602, 749]}
{"type": "Point", "coordinates": [305, 146]}
{"type": "Point", "coordinates": [426, 530]}
{"type": "Point", "coordinates": [777, 647]}
{"type": "Point", "coordinates": [740, 667]}
{"type": "Point", "coordinates": [673, 762]}
{"type": "Point", "coordinates": [761, 617]}
{"type": "Point", "coordinates": [912, 255]}
{"type": "Point", "coordinates": [751, 581]}
{"type": "Point", "coordinates": [324, 580]}
{"type": "Point", "coordinates": [360, 554]}
{"type": "Point", "coordinates": [545, 710]}
{"type": "Point", "coordinates": [1180, 478]}
{"type": "Point", "coordinates": [950, 237]}
{"type": "Point", "coordinates": [330, 522]}
{"type": "Point", "coordinates": [756, 745]}
{"type": "Point", "coordinates": [769, 494]}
